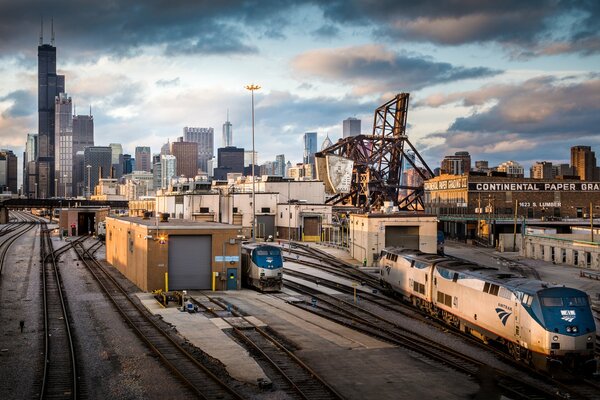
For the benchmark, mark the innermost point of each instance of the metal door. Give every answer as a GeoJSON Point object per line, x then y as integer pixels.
{"type": "Point", "coordinates": [402, 236]}
{"type": "Point", "coordinates": [232, 279]}
{"type": "Point", "coordinates": [190, 262]}
{"type": "Point", "coordinates": [265, 226]}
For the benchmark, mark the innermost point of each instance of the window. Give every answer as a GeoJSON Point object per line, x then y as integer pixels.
{"type": "Point", "coordinates": [204, 210]}
{"type": "Point", "coordinates": [235, 209]}
{"type": "Point", "coordinates": [494, 290]}
{"type": "Point", "coordinates": [444, 299]}
{"type": "Point", "coordinates": [552, 301]}
{"type": "Point", "coordinates": [576, 301]}
{"type": "Point", "coordinates": [486, 287]}
{"type": "Point", "coordinates": [265, 210]}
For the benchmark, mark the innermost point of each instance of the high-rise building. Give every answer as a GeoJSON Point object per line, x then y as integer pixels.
{"type": "Point", "coordinates": [63, 139]}
{"type": "Point", "coordinates": [205, 137]}
{"type": "Point", "coordinates": [186, 154]}
{"type": "Point", "coordinates": [583, 161]}
{"type": "Point", "coordinates": [512, 169]}
{"type": "Point", "coordinates": [481, 166]}
{"type": "Point", "coordinates": [168, 170]}
{"type": "Point", "coordinates": [29, 155]}
{"type": "Point", "coordinates": [127, 164]}
{"type": "Point", "coordinates": [326, 143]}
{"type": "Point", "coordinates": [310, 147]}
{"type": "Point", "coordinates": [248, 158]}
{"type": "Point", "coordinates": [229, 159]}
{"type": "Point", "coordinates": [562, 170]}
{"type": "Point", "coordinates": [8, 171]}
{"type": "Point", "coordinates": [143, 158]}
{"type": "Point", "coordinates": [83, 137]}
{"type": "Point", "coordinates": [50, 85]}
{"type": "Point", "coordinates": [80, 174]}
{"type": "Point", "coordinates": [227, 133]}
{"type": "Point", "coordinates": [117, 160]}
{"type": "Point", "coordinates": [280, 165]}
{"type": "Point", "coordinates": [97, 161]}
{"type": "Point", "coordinates": [542, 170]}
{"type": "Point", "coordinates": [458, 164]}
{"type": "Point", "coordinates": [351, 127]}
{"type": "Point", "coordinates": [165, 149]}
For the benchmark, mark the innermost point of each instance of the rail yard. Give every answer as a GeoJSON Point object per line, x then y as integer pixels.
{"type": "Point", "coordinates": [75, 327]}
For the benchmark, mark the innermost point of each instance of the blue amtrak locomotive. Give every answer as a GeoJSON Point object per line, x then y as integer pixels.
{"type": "Point", "coordinates": [262, 266]}
{"type": "Point", "coordinates": [545, 325]}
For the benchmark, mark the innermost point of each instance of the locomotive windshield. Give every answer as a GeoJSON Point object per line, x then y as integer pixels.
{"type": "Point", "coordinates": [564, 301]}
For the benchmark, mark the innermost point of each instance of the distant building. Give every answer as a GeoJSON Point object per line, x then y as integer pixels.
{"type": "Point", "coordinates": [143, 158]}
{"type": "Point", "coordinates": [128, 164]}
{"type": "Point", "coordinates": [227, 139]}
{"type": "Point", "coordinates": [310, 147]}
{"type": "Point", "coordinates": [562, 170]}
{"type": "Point", "coordinates": [458, 164]}
{"type": "Point", "coordinates": [248, 158]}
{"type": "Point", "coordinates": [267, 168]}
{"type": "Point", "coordinates": [512, 169]}
{"type": "Point", "coordinates": [542, 170]}
{"type": "Point", "coordinates": [8, 171]}
{"type": "Point", "coordinates": [301, 171]}
{"type": "Point", "coordinates": [351, 127]}
{"type": "Point", "coordinates": [117, 160]}
{"type": "Point", "coordinates": [29, 156]}
{"type": "Point", "coordinates": [186, 154]}
{"type": "Point", "coordinates": [63, 151]}
{"type": "Point", "coordinates": [168, 170]}
{"type": "Point", "coordinates": [280, 165]}
{"type": "Point", "coordinates": [98, 162]}
{"type": "Point", "coordinates": [583, 161]}
{"type": "Point", "coordinates": [481, 166]}
{"type": "Point", "coordinates": [83, 136]}
{"type": "Point", "coordinates": [326, 143]}
{"type": "Point", "coordinates": [205, 137]}
{"type": "Point", "coordinates": [165, 149]}
{"type": "Point", "coordinates": [230, 159]}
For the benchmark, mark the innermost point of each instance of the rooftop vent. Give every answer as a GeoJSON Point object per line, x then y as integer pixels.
{"type": "Point", "coordinates": [164, 217]}
{"type": "Point", "coordinates": [146, 215]}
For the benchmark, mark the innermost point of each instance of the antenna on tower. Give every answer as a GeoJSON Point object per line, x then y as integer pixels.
{"type": "Point", "coordinates": [90, 110]}
{"type": "Point", "coordinates": [41, 30]}
{"type": "Point", "coordinates": [52, 30]}
{"type": "Point", "coordinates": [228, 115]}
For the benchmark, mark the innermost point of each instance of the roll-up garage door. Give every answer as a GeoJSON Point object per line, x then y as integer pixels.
{"type": "Point", "coordinates": [402, 236]}
{"type": "Point", "coordinates": [190, 262]}
{"type": "Point", "coordinates": [266, 226]}
{"type": "Point", "coordinates": [312, 229]}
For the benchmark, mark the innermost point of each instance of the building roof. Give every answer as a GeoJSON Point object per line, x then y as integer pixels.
{"type": "Point", "coordinates": [175, 223]}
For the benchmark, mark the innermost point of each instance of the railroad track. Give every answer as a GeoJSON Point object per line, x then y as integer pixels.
{"type": "Point", "coordinates": [204, 383]}
{"type": "Point", "coordinates": [11, 233]}
{"type": "Point", "coordinates": [348, 314]}
{"type": "Point", "coordinates": [60, 376]}
{"type": "Point", "coordinates": [287, 371]}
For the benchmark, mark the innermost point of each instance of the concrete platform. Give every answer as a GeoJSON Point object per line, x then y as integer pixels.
{"type": "Point", "coordinates": [208, 335]}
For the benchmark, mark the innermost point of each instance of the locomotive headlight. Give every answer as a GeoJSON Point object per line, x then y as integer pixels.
{"type": "Point", "coordinates": [589, 339]}
{"type": "Point", "coordinates": [568, 329]}
{"type": "Point", "coordinates": [555, 338]}
{"type": "Point", "coordinates": [574, 329]}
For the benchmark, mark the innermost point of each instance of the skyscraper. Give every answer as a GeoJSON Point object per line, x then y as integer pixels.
{"type": "Point", "coordinates": [143, 158]}
{"type": "Point", "coordinates": [127, 164]}
{"type": "Point", "coordinates": [229, 159]}
{"type": "Point", "coordinates": [458, 164]}
{"type": "Point", "coordinates": [186, 154]}
{"type": "Point", "coordinates": [583, 161]}
{"type": "Point", "coordinates": [63, 139]}
{"type": "Point", "coordinates": [227, 133]}
{"type": "Point", "coordinates": [168, 170]}
{"type": "Point", "coordinates": [50, 85]}
{"type": "Point", "coordinates": [29, 164]}
{"type": "Point", "coordinates": [99, 158]}
{"type": "Point", "coordinates": [541, 170]}
{"type": "Point", "coordinates": [205, 137]}
{"type": "Point", "coordinates": [83, 136]}
{"type": "Point", "coordinates": [310, 147]}
{"type": "Point", "coordinates": [8, 171]}
{"type": "Point", "coordinates": [117, 160]}
{"type": "Point", "coordinates": [351, 127]}
{"type": "Point", "coordinates": [280, 165]}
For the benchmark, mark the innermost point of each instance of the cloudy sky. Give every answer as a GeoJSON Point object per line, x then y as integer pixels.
{"type": "Point", "coordinates": [516, 80]}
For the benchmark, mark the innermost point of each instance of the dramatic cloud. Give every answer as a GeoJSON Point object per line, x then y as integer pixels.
{"type": "Point", "coordinates": [373, 69]}
{"type": "Point", "coordinates": [536, 120]}
{"type": "Point", "coordinates": [23, 103]}
{"type": "Point", "coordinates": [525, 28]}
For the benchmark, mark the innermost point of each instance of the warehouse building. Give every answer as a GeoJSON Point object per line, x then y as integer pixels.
{"type": "Point", "coordinates": [174, 254]}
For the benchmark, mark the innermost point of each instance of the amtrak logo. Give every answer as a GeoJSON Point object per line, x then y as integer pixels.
{"type": "Point", "coordinates": [568, 315]}
{"type": "Point", "coordinates": [503, 315]}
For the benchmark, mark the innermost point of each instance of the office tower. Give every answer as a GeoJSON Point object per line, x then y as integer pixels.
{"type": "Point", "coordinates": [541, 170]}
{"type": "Point", "coordinates": [481, 166]}
{"type": "Point", "coordinates": [63, 151]}
{"type": "Point", "coordinates": [583, 161]}
{"type": "Point", "coordinates": [205, 138]}
{"type": "Point", "coordinates": [98, 161]}
{"type": "Point", "coordinates": [229, 159]}
{"type": "Point", "coordinates": [29, 182]}
{"type": "Point", "coordinates": [310, 147]}
{"type": "Point", "coordinates": [280, 165]}
{"type": "Point", "coordinates": [8, 171]}
{"type": "Point", "coordinates": [186, 154]}
{"type": "Point", "coordinates": [117, 160]}
{"type": "Point", "coordinates": [143, 158]}
{"type": "Point", "coordinates": [326, 143]}
{"type": "Point", "coordinates": [227, 133]}
{"type": "Point", "coordinates": [351, 127]}
{"type": "Point", "coordinates": [562, 171]}
{"type": "Point", "coordinates": [83, 136]}
{"type": "Point", "coordinates": [288, 165]}
{"type": "Point", "coordinates": [168, 170]}
{"type": "Point", "coordinates": [165, 149]}
{"type": "Point", "coordinates": [127, 164]}
{"type": "Point", "coordinates": [458, 164]}
{"type": "Point", "coordinates": [50, 85]}
{"type": "Point", "coordinates": [512, 169]}
{"type": "Point", "coordinates": [211, 165]}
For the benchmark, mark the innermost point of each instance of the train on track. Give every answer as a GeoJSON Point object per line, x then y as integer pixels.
{"type": "Point", "coordinates": [548, 326]}
{"type": "Point", "coordinates": [262, 266]}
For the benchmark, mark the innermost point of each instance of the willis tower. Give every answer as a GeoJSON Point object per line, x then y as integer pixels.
{"type": "Point", "coordinates": [50, 85]}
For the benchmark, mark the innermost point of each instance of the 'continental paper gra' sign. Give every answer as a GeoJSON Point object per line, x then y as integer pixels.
{"type": "Point", "coordinates": [535, 186]}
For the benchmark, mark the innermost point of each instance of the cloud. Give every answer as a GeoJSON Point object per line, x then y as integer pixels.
{"type": "Point", "coordinates": [326, 32]}
{"type": "Point", "coordinates": [539, 119]}
{"type": "Point", "coordinates": [24, 103]}
{"type": "Point", "coordinates": [167, 82]}
{"type": "Point", "coordinates": [374, 69]}
{"type": "Point", "coordinates": [523, 28]}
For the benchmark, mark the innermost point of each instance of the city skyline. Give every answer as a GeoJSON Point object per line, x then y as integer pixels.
{"type": "Point", "coordinates": [507, 84]}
